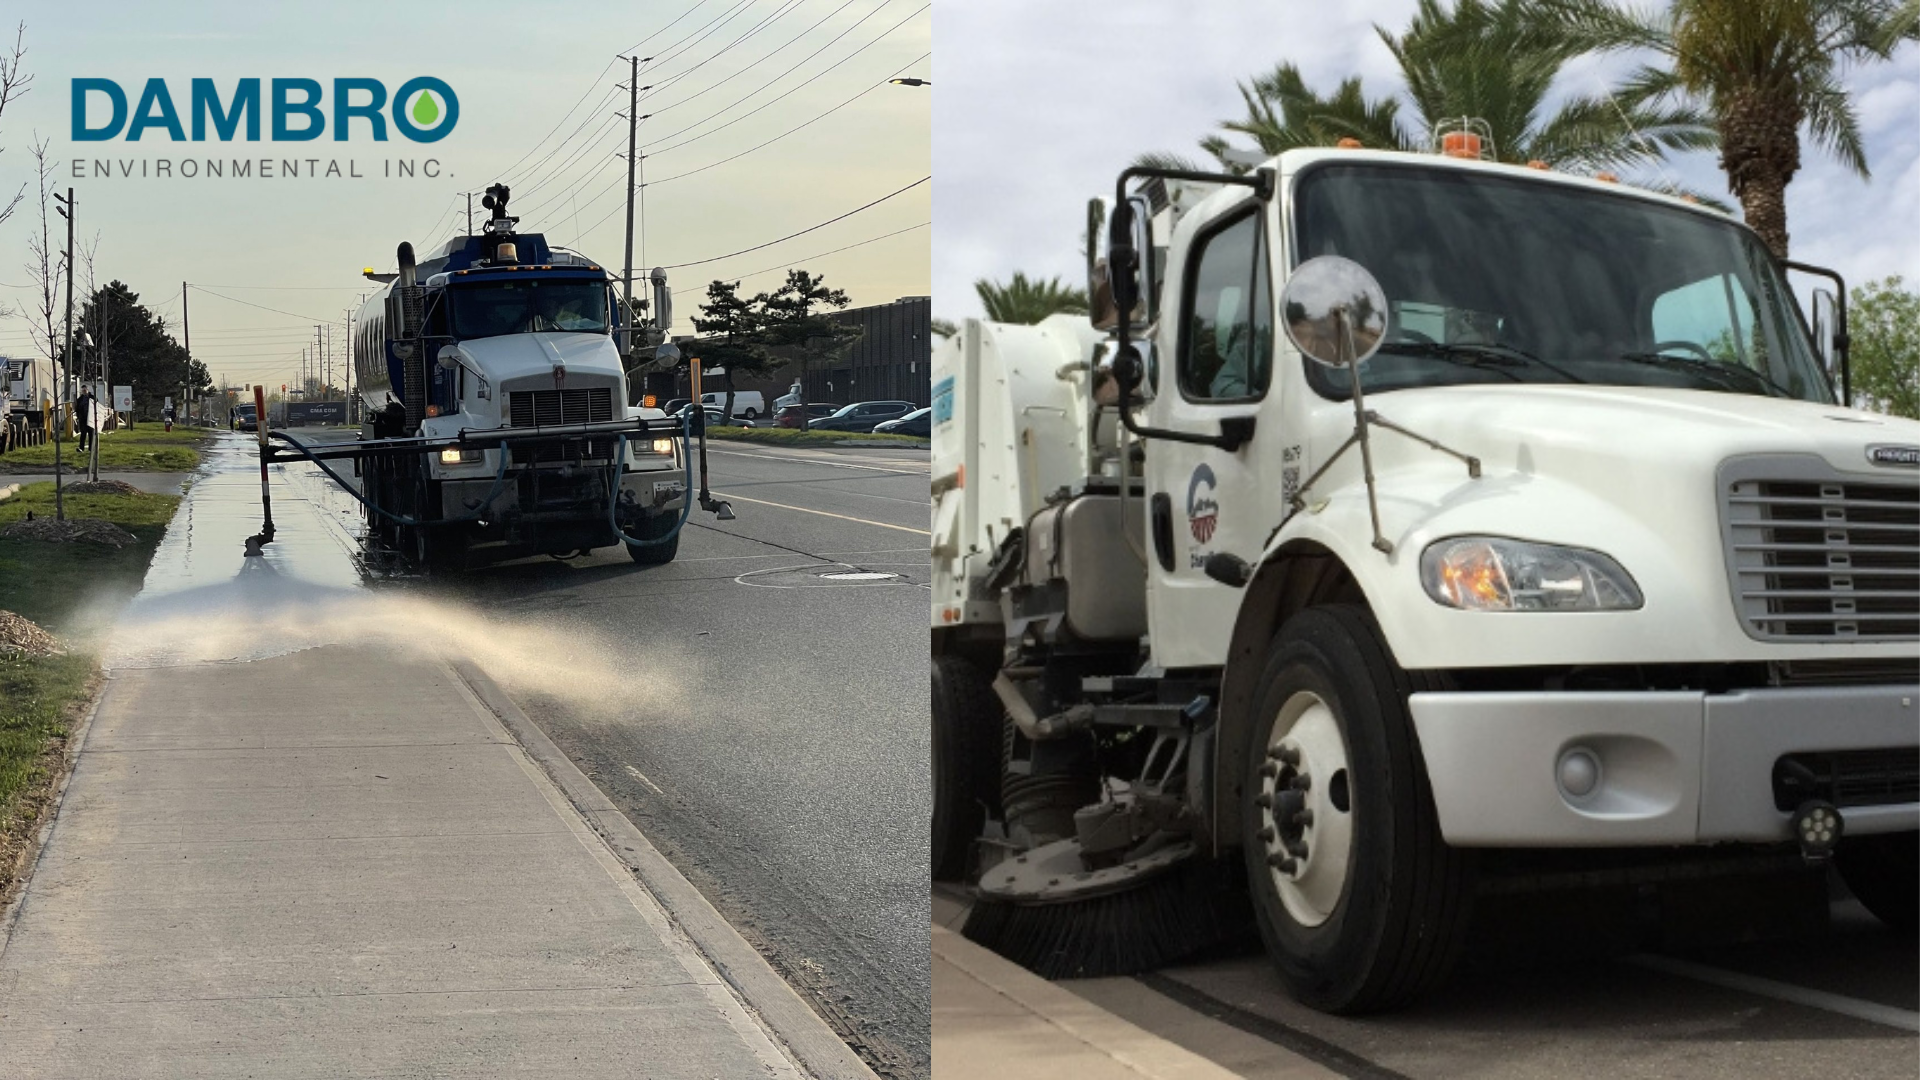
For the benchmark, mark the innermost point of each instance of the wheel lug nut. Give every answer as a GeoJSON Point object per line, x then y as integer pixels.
{"type": "Point", "coordinates": [1288, 754]}
{"type": "Point", "coordinates": [1304, 817]}
{"type": "Point", "coordinates": [1263, 800]}
{"type": "Point", "coordinates": [1286, 864]}
{"type": "Point", "coordinates": [1266, 834]}
{"type": "Point", "coordinates": [1302, 782]}
{"type": "Point", "coordinates": [1269, 768]}
{"type": "Point", "coordinates": [1297, 849]}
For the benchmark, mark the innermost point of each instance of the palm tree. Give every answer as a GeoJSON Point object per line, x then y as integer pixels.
{"type": "Point", "coordinates": [1488, 59]}
{"type": "Point", "coordinates": [1762, 68]}
{"type": "Point", "coordinates": [1028, 301]}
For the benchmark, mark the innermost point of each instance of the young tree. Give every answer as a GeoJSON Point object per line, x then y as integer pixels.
{"type": "Point", "coordinates": [1764, 70]}
{"type": "Point", "coordinates": [14, 83]}
{"type": "Point", "coordinates": [46, 269]}
{"type": "Point", "coordinates": [730, 323]}
{"type": "Point", "coordinates": [1024, 300]}
{"type": "Point", "coordinates": [1883, 318]}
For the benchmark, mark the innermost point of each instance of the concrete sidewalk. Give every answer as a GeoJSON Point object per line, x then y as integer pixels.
{"type": "Point", "coordinates": [339, 863]}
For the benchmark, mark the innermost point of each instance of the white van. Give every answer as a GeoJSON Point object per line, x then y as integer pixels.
{"type": "Point", "coordinates": [747, 404]}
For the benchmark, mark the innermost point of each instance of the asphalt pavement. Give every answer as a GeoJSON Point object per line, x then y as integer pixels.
{"type": "Point", "coordinates": [758, 709]}
{"type": "Point", "coordinates": [1557, 985]}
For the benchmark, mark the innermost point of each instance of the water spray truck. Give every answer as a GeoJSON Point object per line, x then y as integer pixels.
{"type": "Point", "coordinates": [1402, 528]}
{"type": "Point", "coordinates": [495, 398]}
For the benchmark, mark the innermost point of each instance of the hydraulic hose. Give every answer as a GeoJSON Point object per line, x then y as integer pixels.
{"type": "Point", "coordinates": [499, 481]}
{"type": "Point", "coordinates": [686, 494]}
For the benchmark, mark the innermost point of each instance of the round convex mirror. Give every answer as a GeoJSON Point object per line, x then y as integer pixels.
{"type": "Point", "coordinates": [1322, 291]}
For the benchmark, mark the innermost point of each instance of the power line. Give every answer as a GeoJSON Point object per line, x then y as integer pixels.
{"type": "Point", "coordinates": [768, 84]}
{"type": "Point", "coordinates": [776, 51]}
{"type": "Point", "coordinates": [824, 254]}
{"type": "Point", "coordinates": [249, 303]}
{"type": "Point", "coordinates": [802, 232]}
{"type": "Point", "coordinates": [791, 130]}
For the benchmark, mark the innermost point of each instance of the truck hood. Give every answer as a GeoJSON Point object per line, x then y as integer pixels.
{"type": "Point", "coordinates": [1570, 431]}
{"type": "Point", "coordinates": [514, 356]}
{"type": "Point", "coordinates": [1635, 473]}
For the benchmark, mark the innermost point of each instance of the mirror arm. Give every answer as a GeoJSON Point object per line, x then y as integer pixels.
{"type": "Point", "coordinates": [1842, 341]}
{"type": "Point", "coordinates": [1124, 266]}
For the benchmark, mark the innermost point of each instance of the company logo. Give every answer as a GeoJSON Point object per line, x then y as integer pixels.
{"type": "Point", "coordinates": [1896, 456]}
{"type": "Point", "coordinates": [423, 109]}
{"type": "Point", "coordinates": [1203, 514]}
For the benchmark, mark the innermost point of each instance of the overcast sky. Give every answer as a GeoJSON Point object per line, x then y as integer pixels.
{"type": "Point", "coordinates": [727, 77]}
{"type": "Point", "coordinates": [1040, 105]}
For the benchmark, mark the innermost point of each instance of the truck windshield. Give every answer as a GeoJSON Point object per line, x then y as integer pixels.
{"type": "Point", "coordinates": [528, 305]}
{"type": "Point", "coordinates": [1497, 279]}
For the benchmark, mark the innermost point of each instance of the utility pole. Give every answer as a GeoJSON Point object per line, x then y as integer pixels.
{"type": "Point", "coordinates": [66, 210]}
{"type": "Point", "coordinates": [346, 391]}
{"type": "Point", "coordinates": [186, 342]}
{"type": "Point", "coordinates": [469, 213]}
{"type": "Point", "coordinates": [633, 130]}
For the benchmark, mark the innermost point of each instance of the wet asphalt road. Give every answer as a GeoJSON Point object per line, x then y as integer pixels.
{"type": "Point", "coordinates": [771, 738]}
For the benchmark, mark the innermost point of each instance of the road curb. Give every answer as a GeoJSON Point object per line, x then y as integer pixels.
{"type": "Point", "coordinates": [77, 744]}
{"type": "Point", "coordinates": [806, 1036]}
{"type": "Point", "coordinates": [1090, 1036]}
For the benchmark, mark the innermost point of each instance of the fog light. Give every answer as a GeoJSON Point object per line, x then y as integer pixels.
{"type": "Point", "coordinates": [1578, 772]}
{"type": "Point", "coordinates": [1817, 826]}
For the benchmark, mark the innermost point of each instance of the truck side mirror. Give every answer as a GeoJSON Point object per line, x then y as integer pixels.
{"type": "Point", "coordinates": [1123, 259]}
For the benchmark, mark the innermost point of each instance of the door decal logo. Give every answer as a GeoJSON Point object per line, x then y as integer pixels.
{"type": "Point", "coordinates": [1202, 511]}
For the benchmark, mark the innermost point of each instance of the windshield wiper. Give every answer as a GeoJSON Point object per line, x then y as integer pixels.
{"type": "Point", "coordinates": [1719, 373]}
{"type": "Point", "coordinates": [1483, 356]}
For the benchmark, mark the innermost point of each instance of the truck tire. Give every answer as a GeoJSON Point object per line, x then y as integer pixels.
{"type": "Point", "coordinates": [653, 527]}
{"type": "Point", "coordinates": [966, 761]}
{"type": "Point", "coordinates": [1361, 904]}
{"type": "Point", "coordinates": [1884, 873]}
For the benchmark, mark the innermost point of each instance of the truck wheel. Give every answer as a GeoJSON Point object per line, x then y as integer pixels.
{"type": "Point", "coordinates": [966, 761]}
{"type": "Point", "coordinates": [1361, 904]}
{"type": "Point", "coordinates": [653, 527]}
{"type": "Point", "coordinates": [1884, 873]}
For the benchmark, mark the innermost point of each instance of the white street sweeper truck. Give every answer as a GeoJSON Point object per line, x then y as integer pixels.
{"type": "Point", "coordinates": [1400, 524]}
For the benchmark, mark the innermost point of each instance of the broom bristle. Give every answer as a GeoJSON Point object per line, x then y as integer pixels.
{"type": "Point", "coordinates": [1167, 918]}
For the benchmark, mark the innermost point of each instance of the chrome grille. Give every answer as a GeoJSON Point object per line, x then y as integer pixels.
{"type": "Point", "coordinates": [546, 408]}
{"type": "Point", "coordinates": [1815, 555]}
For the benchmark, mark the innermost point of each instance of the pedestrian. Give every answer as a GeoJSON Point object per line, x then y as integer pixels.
{"type": "Point", "coordinates": [83, 416]}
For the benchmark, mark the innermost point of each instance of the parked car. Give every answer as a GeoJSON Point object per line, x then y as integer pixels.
{"type": "Point", "coordinates": [918, 422]}
{"type": "Point", "coordinates": [799, 416]}
{"type": "Point", "coordinates": [714, 419]}
{"type": "Point", "coordinates": [863, 415]}
{"type": "Point", "coordinates": [747, 403]}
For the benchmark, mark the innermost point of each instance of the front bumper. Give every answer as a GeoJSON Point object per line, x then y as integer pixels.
{"type": "Point", "coordinates": [1676, 767]}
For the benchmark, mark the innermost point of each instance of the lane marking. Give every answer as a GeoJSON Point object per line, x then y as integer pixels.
{"type": "Point", "coordinates": [642, 777]}
{"type": "Point", "coordinates": [824, 513]}
{"type": "Point", "coordinates": [1872, 1012]}
{"type": "Point", "coordinates": [811, 459]}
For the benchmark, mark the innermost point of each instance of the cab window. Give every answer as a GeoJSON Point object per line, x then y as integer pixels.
{"type": "Point", "coordinates": [1709, 318]}
{"type": "Point", "coordinates": [1226, 347]}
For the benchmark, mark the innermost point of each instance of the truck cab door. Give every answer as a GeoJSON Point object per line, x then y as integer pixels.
{"type": "Point", "coordinates": [1215, 342]}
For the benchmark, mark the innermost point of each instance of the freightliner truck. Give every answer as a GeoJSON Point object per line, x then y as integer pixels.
{"type": "Point", "coordinates": [1400, 524]}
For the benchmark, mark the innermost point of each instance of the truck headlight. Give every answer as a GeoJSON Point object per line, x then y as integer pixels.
{"type": "Point", "coordinates": [1491, 573]}
{"type": "Point", "coordinates": [460, 457]}
{"type": "Point", "coordinates": [658, 446]}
